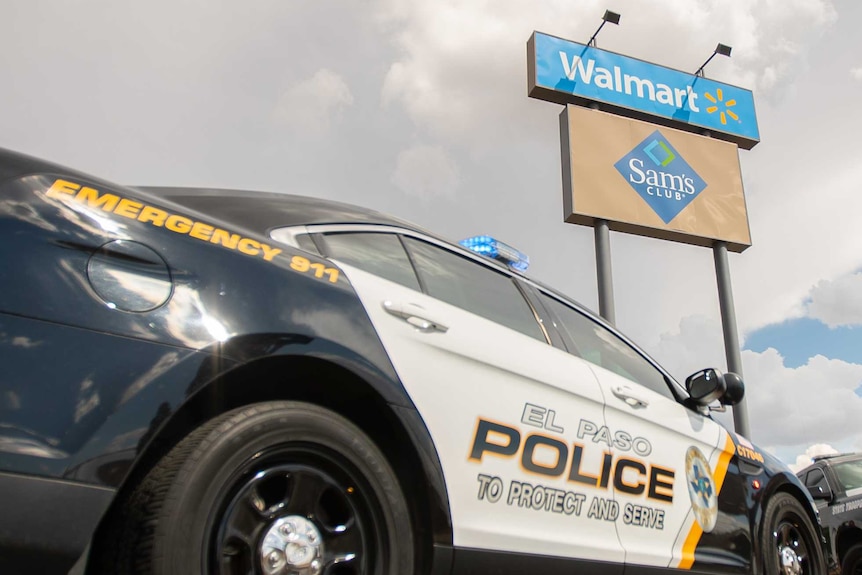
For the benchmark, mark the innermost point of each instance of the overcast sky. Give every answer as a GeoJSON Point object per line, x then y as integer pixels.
{"type": "Point", "coordinates": [419, 108]}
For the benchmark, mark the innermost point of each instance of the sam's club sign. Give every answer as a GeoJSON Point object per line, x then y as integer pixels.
{"type": "Point", "coordinates": [567, 72]}
{"type": "Point", "coordinates": [661, 176]}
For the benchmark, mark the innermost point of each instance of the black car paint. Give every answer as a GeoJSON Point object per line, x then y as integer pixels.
{"type": "Point", "coordinates": [742, 504]}
{"type": "Point", "coordinates": [87, 391]}
{"type": "Point", "coordinates": [842, 527]}
{"type": "Point", "coordinates": [91, 396]}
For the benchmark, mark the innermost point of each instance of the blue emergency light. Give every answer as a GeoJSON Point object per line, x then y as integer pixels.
{"type": "Point", "coordinates": [495, 249]}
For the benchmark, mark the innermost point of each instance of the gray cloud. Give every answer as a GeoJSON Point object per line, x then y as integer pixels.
{"type": "Point", "coordinates": [805, 459]}
{"type": "Point", "coordinates": [427, 172]}
{"type": "Point", "coordinates": [313, 104]}
{"type": "Point", "coordinates": [462, 72]}
{"type": "Point", "coordinates": [837, 302]}
{"type": "Point", "coordinates": [189, 92]}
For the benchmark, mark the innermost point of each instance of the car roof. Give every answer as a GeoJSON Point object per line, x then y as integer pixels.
{"type": "Point", "coordinates": [829, 459]}
{"type": "Point", "coordinates": [252, 210]}
{"type": "Point", "coordinates": [264, 211]}
{"type": "Point", "coordinates": [838, 457]}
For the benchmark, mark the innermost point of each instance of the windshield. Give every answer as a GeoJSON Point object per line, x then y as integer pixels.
{"type": "Point", "coordinates": [849, 474]}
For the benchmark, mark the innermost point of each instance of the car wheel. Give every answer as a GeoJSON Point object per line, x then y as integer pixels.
{"type": "Point", "coordinates": [852, 562]}
{"type": "Point", "coordinates": [279, 488]}
{"type": "Point", "coordinates": [789, 541]}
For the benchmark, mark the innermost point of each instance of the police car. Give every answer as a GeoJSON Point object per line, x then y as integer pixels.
{"type": "Point", "coordinates": [835, 483]}
{"type": "Point", "coordinates": [211, 381]}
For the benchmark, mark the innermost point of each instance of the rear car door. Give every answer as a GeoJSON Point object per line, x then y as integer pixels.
{"type": "Point", "coordinates": [501, 404]}
{"type": "Point", "coordinates": [670, 461]}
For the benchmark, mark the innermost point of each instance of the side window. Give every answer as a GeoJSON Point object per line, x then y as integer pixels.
{"type": "Point", "coordinates": [849, 474]}
{"type": "Point", "coordinates": [815, 478]}
{"type": "Point", "coordinates": [602, 347]}
{"type": "Point", "coordinates": [378, 253]}
{"type": "Point", "coordinates": [471, 286]}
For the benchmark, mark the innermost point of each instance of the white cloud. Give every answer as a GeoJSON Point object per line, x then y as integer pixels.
{"type": "Point", "coordinates": [698, 344]}
{"type": "Point", "coordinates": [814, 403]}
{"type": "Point", "coordinates": [787, 407]}
{"type": "Point", "coordinates": [837, 302]}
{"type": "Point", "coordinates": [426, 172]}
{"type": "Point", "coordinates": [805, 459]}
{"type": "Point", "coordinates": [792, 231]}
{"type": "Point", "coordinates": [462, 70]}
{"type": "Point", "coordinates": [315, 103]}
{"type": "Point", "coordinates": [771, 37]}
{"type": "Point", "coordinates": [856, 73]}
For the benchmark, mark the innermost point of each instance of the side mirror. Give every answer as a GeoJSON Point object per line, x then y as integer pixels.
{"type": "Point", "coordinates": [735, 389]}
{"type": "Point", "coordinates": [705, 386]}
{"type": "Point", "coordinates": [708, 385]}
{"type": "Point", "coordinates": [820, 492]}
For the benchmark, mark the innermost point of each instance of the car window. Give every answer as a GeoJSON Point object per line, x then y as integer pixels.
{"type": "Point", "coordinates": [472, 286]}
{"type": "Point", "coordinates": [816, 478]}
{"type": "Point", "coordinates": [378, 253]}
{"type": "Point", "coordinates": [849, 474]}
{"type": "Point", "coordinates": [602, 347]}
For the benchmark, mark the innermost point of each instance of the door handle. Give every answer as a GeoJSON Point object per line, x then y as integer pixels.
{"type": "Point", "coordinates": [415, 315]}
{"type": "Point", "coordinates": [628, 395]}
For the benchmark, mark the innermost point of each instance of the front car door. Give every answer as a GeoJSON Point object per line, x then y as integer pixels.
{"type": "Point", "coordinates": [670, 461]}
{"type": "Point", "coordinates": [500, 403]}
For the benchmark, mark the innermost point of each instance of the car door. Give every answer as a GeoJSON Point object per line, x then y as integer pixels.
{"type": "Point", "coordinates": [670, 461]}
{"type": "Point", "coordinates": [816, 482]}
{"type": "Point", "coordinates": [500, 403]}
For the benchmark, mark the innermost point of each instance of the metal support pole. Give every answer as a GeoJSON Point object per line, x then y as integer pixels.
{"type": "Point", "coordinates": [603, 271]}
{"type": "Point", "coordinates": [731, 338]}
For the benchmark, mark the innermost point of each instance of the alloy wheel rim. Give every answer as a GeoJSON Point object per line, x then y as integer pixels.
{"type": "Point", "coordinates": [295, 510]}
{"type": "Point", "coordinates": [792, 546]}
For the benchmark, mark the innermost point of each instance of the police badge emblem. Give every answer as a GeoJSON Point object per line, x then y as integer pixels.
{"type": "Point", "coordinates": [701, 489]}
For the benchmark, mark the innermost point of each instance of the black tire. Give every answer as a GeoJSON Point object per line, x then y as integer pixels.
{"type": "Point", "coordinates": [239, 489]}
{"type": "Point", "coordinates": [788, 535]}
{"type": "Point", "coordinates": [851, 564]}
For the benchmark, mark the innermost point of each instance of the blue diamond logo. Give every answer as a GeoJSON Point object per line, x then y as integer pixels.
{"type": "Point", "coordinates": [657, 172]}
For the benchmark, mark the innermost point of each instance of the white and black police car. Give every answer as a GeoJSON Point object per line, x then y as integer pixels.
{"type": "Point", "coordinates": [212, 381]}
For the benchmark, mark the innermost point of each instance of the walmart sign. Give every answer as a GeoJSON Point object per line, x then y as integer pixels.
{"type": "Point", "coordinates": [567, 72]}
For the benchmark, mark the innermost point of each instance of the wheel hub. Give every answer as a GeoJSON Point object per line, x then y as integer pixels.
{"type": "Point", "coordinates": [789, 561]}
{"type": "Point", "coordinates": [292, 546]}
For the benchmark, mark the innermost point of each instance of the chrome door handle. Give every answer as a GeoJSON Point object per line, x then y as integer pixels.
{"type": "Point", "coordinates": [415, 315]}
{"type": "Point", "coordinates": [628, 395]}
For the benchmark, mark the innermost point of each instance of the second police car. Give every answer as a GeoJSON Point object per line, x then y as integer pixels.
{"type": "Point", "coordinates": [211, 381]}
{"type": "Point", "coordinates": [835, 483]}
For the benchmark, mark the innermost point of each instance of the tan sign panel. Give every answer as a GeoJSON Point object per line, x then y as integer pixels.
{"type": "Point", "coordinates": [651, 181]}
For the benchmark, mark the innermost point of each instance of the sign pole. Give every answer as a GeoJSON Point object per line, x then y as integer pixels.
{"type": "Point", "coordinates": [604, 276]}
{"type": "Point", "coordinates": [731, 339]}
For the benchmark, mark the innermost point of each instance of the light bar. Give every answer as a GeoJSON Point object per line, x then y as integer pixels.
{"type": "Point", "coordinates": [494, 249]}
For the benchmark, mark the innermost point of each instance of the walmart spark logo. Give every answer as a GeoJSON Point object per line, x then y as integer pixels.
{"type": "Point", "coordinates": [661, 176]}
{"type": "Point", "coordinates": [726, 105]}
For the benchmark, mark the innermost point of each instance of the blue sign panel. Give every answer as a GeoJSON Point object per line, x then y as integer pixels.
{"type": "Point", "coordinates": [563, 71]}
{"type": "Point", "coordinates": [661, 176]}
